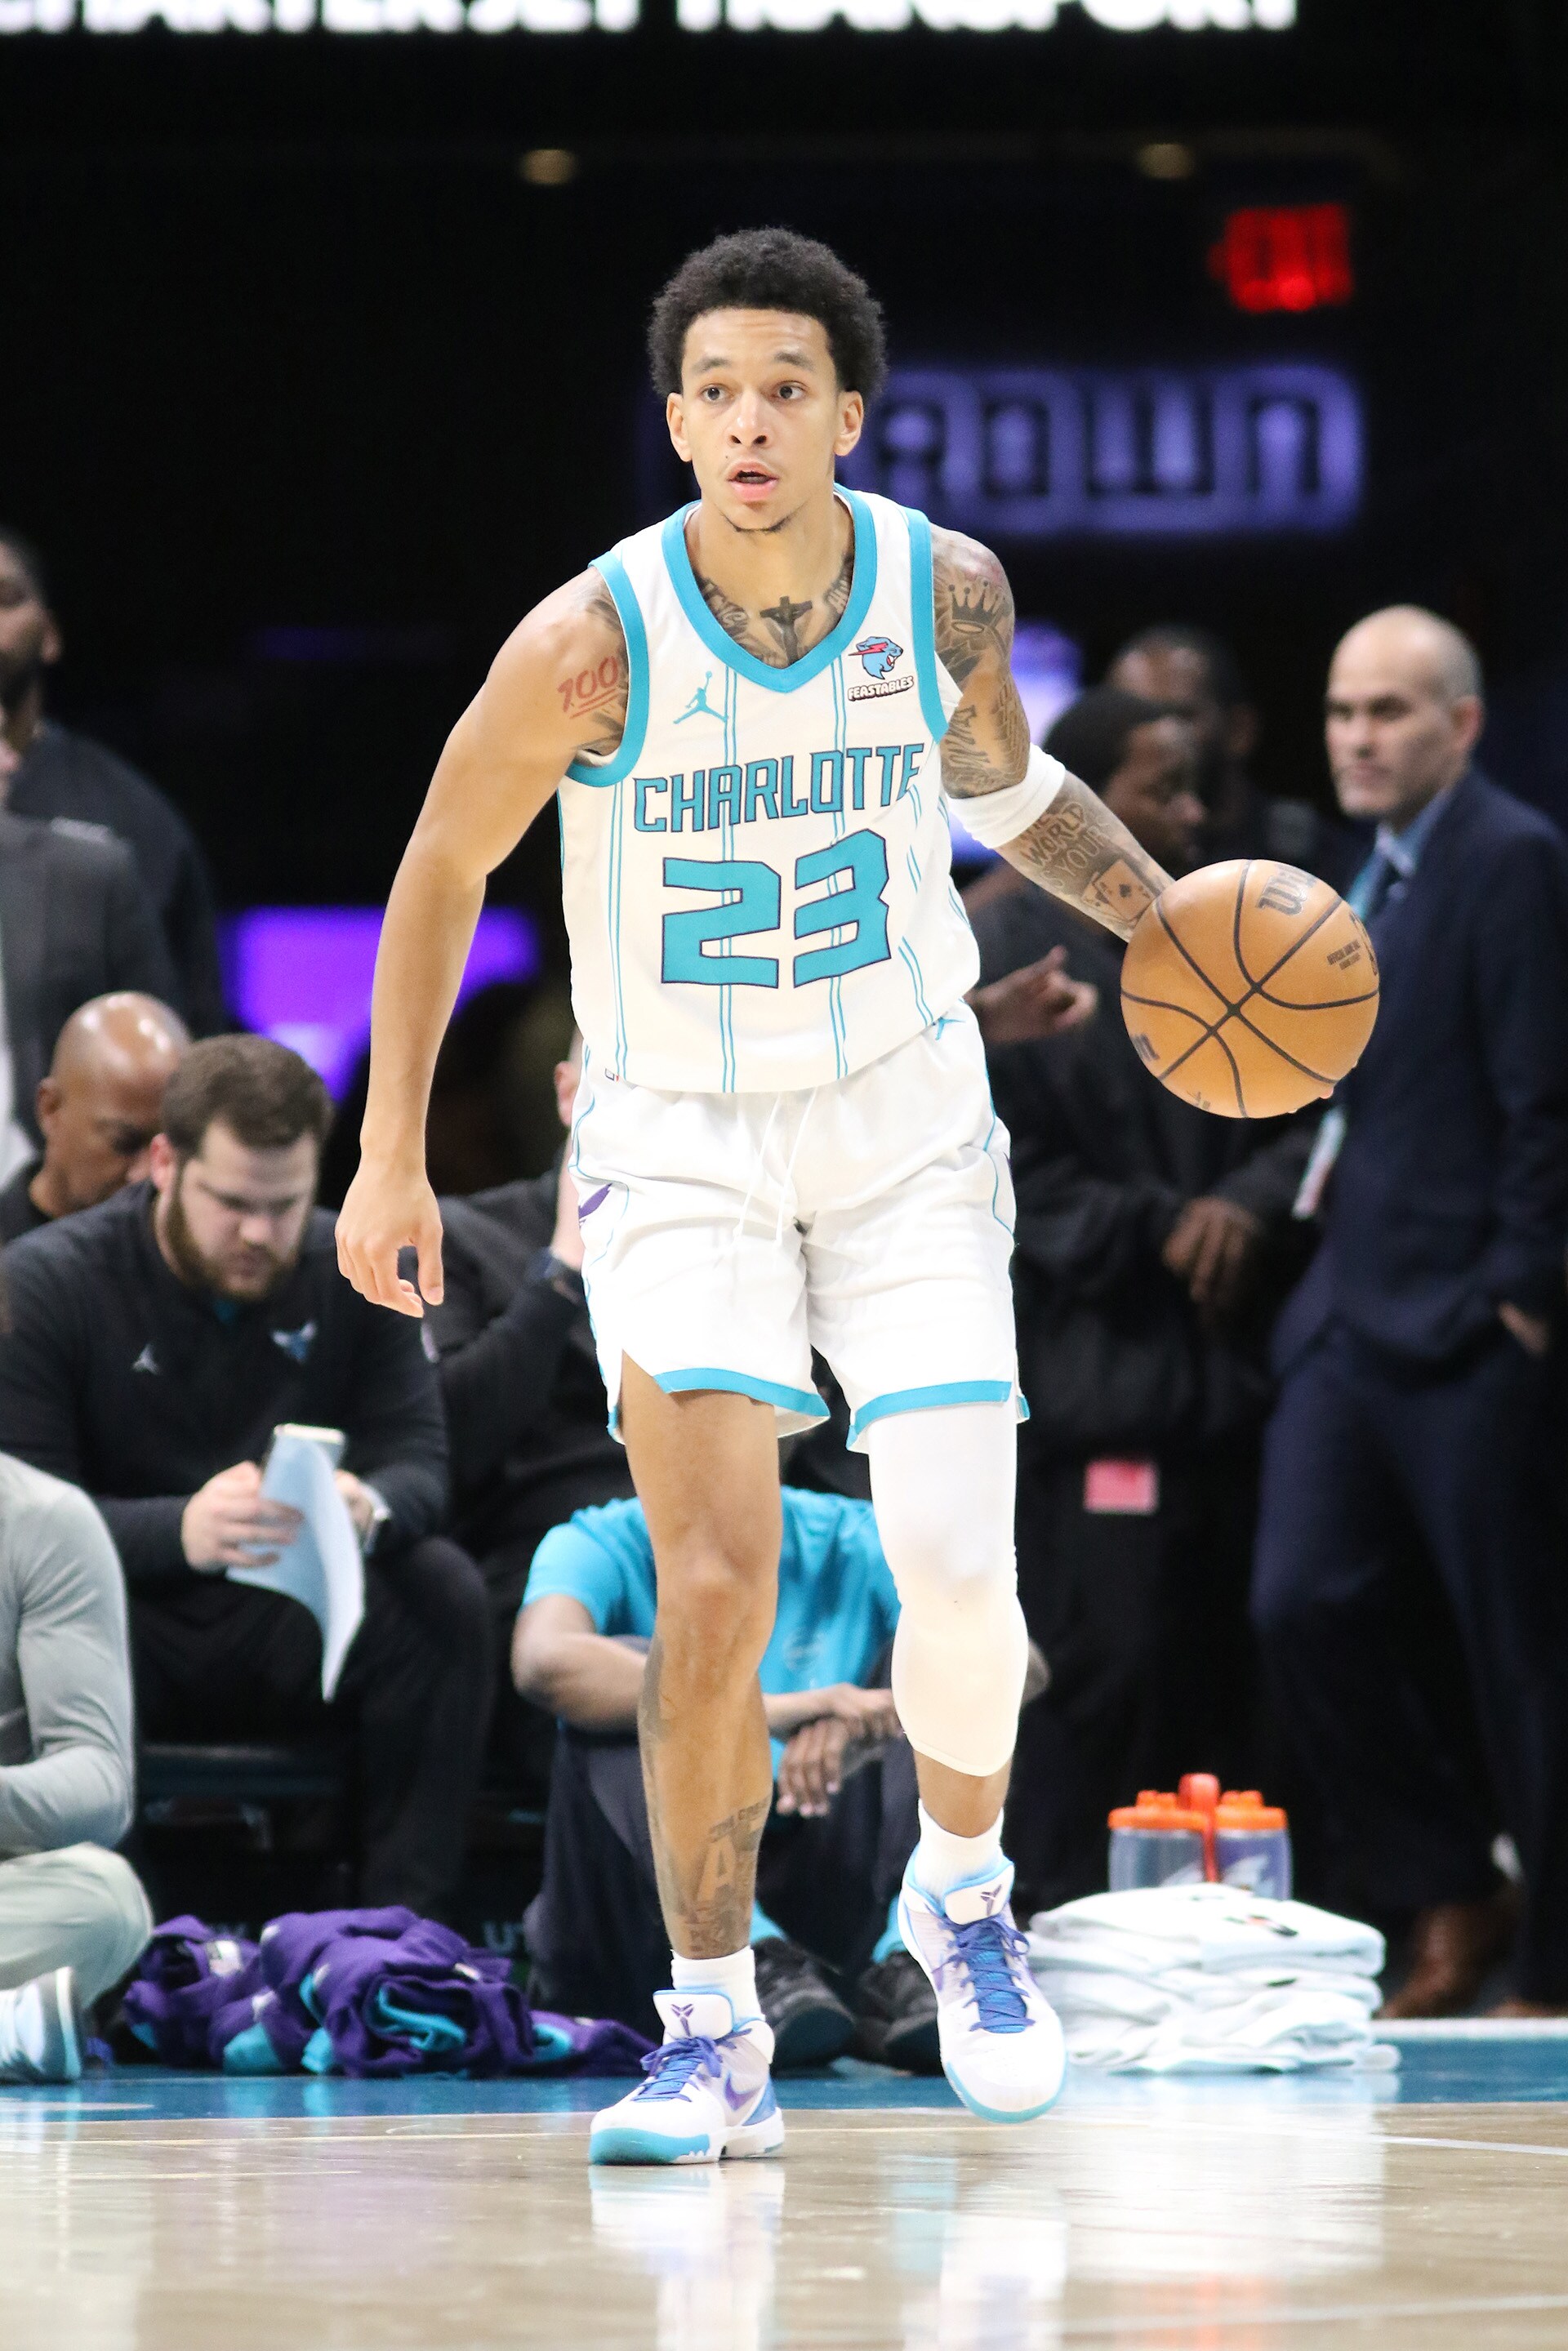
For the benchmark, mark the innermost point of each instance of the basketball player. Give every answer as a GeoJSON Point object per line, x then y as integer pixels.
{"type": "Point", "coordinates": [784, 1136]}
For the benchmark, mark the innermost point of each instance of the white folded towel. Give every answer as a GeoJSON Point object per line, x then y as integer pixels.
{"type": "Point", "coordinates": [1202, 1978]}
{"type": "Point", "coordinates": [1208, 1927]}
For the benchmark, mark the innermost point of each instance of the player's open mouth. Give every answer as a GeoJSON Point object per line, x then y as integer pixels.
{"type": "Point", "coordinates": [752, 482]}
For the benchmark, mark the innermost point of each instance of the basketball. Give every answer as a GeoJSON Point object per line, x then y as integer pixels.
{"type": "Point", "coordinates": [1250, 988]}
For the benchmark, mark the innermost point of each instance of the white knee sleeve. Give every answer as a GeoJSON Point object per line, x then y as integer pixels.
{"type": "Point", "coordinates": [942, 1483]}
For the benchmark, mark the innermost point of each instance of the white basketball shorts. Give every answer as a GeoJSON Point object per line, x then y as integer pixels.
{"type": "Point", "coordinates": [728, 1235]}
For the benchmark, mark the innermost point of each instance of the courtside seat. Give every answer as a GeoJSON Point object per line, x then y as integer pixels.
{"type": "Point", "coordinates": [249, 1773]}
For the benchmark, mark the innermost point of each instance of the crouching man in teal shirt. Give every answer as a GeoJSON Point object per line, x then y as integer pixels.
{"type": "Point", "coordinates": [844, 1820]}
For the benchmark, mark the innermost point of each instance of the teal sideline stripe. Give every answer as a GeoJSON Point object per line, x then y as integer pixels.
{"type": "Point", "coordinates": [706, 1376]}
{"type": "Point", "coordinates": [612, 571]}
{"type": "Point", "coordinates": [923, 619]}
{"type": "Point", "coordinates": [735, 657]}
{"type": "Point", "coordinates": [927, 1400]}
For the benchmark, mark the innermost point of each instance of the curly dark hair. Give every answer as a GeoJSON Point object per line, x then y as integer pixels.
{"type": "Point", "coordinates": [772, 269]}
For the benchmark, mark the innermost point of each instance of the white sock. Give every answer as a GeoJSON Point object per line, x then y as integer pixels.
{"type": "Point", "coordinates": [736, 1974]}
{"type": "Point", "coordinates": [942, 1861]}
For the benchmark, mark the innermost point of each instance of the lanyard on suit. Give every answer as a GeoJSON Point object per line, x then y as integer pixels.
{"type": "Point", "coordinates": [1365, 894]}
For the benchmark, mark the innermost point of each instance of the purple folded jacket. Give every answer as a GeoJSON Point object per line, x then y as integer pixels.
{"type": "Point", "coordinates": [193, 1992]}
{"type": "Point", "coordinates": [396, 1993]}
{"type": "Point", "coordinates": [361, 1993]}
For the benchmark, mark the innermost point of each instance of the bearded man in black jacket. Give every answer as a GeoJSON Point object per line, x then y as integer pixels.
{"type": "Point", "coordinates": [1145, 1231]}
{"type": "Point", "coordinates": [155, 1342]}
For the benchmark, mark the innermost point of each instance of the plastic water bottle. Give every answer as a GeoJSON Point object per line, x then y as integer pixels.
{"type": "Point", "coordinates": [1155, 1841]}
{"type": "Point", "coordinates": [1252, 1844]}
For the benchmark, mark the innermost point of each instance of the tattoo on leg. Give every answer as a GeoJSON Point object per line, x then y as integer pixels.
{"type": "Point", "coordinates": [707, 1902]}
{"type": "Point", "coordinates": [715, 1905]}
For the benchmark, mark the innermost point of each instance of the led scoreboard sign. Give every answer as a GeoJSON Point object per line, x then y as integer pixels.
{"type": "Point", "coordinates": [623, 15]}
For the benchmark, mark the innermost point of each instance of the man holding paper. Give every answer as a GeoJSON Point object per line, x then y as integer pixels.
{"type": "Point", "coordinates": [156, 1344]}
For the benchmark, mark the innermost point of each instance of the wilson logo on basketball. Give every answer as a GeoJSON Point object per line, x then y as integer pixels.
{"type": "Point", "coordinates": [1287, 894]}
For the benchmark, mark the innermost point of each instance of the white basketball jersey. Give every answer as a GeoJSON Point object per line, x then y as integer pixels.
{"type": "Point", "coordinates": [756, 885]}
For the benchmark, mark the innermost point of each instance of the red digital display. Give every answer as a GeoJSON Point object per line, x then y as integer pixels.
{"type": "Point", "coordinates": [1285, 258]}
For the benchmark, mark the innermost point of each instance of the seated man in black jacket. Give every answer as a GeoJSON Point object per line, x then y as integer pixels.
{"type": "Point", "coordinates": [1141, 1225]}
{"type": "Point", "coordinates": [526, 1412]}
{"type": "Point", "coordinates": [155, 1342]}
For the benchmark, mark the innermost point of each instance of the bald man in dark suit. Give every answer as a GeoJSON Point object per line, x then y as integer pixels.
{"type": "Point", "coordinates": [1418, 1426]}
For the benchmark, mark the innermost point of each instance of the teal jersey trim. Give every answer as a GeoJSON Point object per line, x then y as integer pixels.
{"type": "Point", "coordinates": [707, 1375]}
{"type": "Point", "coordinates": [612, 571]}
{"type": "Point", "coordinates": [922, 621]}
{"type": "Point", "coordinates": [838, 639]}
{"type": "Point", "coordinates": [882, 1408]}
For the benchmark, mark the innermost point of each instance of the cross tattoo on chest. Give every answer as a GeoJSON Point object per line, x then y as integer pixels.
{"type": "Point", "coordinates": [783, 619]}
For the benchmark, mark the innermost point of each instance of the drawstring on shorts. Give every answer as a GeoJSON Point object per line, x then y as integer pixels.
{"type": "Point", "coordinates": [758, 1169]}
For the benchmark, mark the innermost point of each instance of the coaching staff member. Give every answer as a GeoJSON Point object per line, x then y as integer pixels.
{"type": "Point", "coordinates": [1422, 1354]}
{"type": "Point", "coordinates": [155, 1342]}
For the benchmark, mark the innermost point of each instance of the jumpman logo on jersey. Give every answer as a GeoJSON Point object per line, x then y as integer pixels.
{"type": "Point", "coordinates": [699, 707]}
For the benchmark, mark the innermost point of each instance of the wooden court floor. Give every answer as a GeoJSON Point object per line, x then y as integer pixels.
{"type": "Point", "coordinates": [153, 2213]}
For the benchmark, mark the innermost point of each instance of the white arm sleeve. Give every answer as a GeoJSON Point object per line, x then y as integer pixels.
{"type": "Point", "coordinates": [996, 818]}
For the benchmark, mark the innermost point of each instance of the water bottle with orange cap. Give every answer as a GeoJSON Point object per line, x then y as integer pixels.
{"type": "Point", "coordinates": [1252, 1844]}
{"type": "Point", "coordinates": [1158, 1840]}
{"type": "Point", "coordinates": [1198, 1834]}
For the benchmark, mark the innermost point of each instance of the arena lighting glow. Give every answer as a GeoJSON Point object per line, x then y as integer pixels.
{"type": "Point", "coordinates": [1285, 258]}
{"type": "Point", "coordinates": [302, 974]}
{"type": "Point", "coordinates": [1041, 453]}
{"type": "Point", "coordinates": [360, 16]}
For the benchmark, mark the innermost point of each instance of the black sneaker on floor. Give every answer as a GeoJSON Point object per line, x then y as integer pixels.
{"type": "Point", "coordinates": [812, 2026]}
{"type": "Point", "coordinates": [896, 2014]}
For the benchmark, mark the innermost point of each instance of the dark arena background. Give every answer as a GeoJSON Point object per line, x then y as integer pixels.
{"type": "Point", "coordinates": [325, 360]}
{"type": "Point", "coordinates": [322, 326]}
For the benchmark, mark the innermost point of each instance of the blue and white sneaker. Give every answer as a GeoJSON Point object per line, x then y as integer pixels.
{"type": "Point", "coordinates": [1002, 2049]}
{"type": "Point", "coordinates": [40, 2030]}
{"type": "Point", "coordinates": [708, 2092]}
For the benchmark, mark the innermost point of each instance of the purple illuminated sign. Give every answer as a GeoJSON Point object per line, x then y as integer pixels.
{"type": "Point", "coordinates": [1042, 452]}
{"type": "Point", "coordinates": [303, 974]}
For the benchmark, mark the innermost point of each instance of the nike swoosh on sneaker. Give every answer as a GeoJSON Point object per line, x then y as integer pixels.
{"type": "Point", "coordinates": [736, 2099]}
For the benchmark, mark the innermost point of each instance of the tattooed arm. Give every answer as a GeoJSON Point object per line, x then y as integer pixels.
{"type": "Point", "coordinates": [1077, 850]}
{"type": "Point", "coordinates": [557, 690]}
